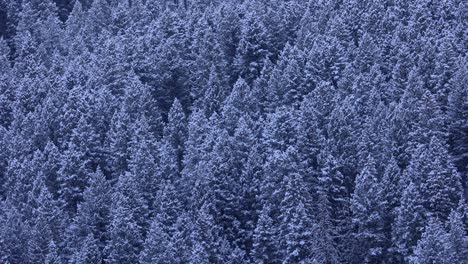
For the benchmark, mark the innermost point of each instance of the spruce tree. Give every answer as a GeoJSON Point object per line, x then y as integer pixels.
{"type": "Point", "coordinates": [158, 247]}
{"type": "Point", "coordinates": [73, 176]}
{"type": "Point", "coordinates": [6, 94]}
{"type": "Point", "coordinates": [52, 256]}
{"type": "Point", "coordinates": [143, 160]}
{"type": "Point", "coordinates": [295, 219]}
{"type": "Point", "coordinates": [265, 245]}
{"type": "Point", "coordinates": [92, 219]}
{"type": "Point", "coordinates": [287, 77]}
{"type": "Point", "coordinates": [172, 144]}
{"type": "Point", "coordinates": [128, 218]}
{"type": "Point", "coordinates": [457, 112]}
{"type": "Point", "coordinates": [209, 131]}
{"type": "Point", "coordinates": [15, 234]}
{"type": "Point", "coordinates": [323, 246]}
{"type": "Point", "coordinates": [407, 227]}
{"type": "Point", "coordinates": [47, 222]}
{"type": "Point", "coordinates": [88, 252]}
{"type": "Point", "coordinates": [117, 140]}
{"type": "Point", "coordinates": [235, 105]}
{"type": "Point", "coordinates": [253, 49]}
{"type": "Point", "coordinates": [433, 246]}
{"type": "Point", "coordinates": [392, 190]}
{"type": "Point", "coordinates": [367, 204]}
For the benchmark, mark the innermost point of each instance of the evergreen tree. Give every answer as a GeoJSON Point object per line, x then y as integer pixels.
{"type": "Point", "coordinates": [172, 143]}
{"type": "Point", "coordinates": [391, 191]}
{"type": "Point", "coordinates": [21, 177]}
{"type": "Point", "coordinates": [407, 227]}
{"type": "Point", "coordinates": [433, 245]}
{"type": "Point", "coordinates": [228, 29]}
{"type": "Point", "coordinates": [46, 225]}
{"type": "Point", "coordinates": [248, 166]}
{"type": "Point", "coordinates": [367, 203]}
{"type": "Point", "coordinates": [195, 155]}
{"type": "Point", "coordinates": [264, 241]}
{"type": "Point", "coordinates": [143, 160]}
{"type": "Point", "coordinates": [3, 165]}
{"type": "Point", "coordinates": [117, 141]}
{"type": "Point", "coordinates": [437, 180]}
{"type": "Point", "coordinates": [335, 204]}
{"type": "Point", "coordinates": [52, 255]}
{"type": "Point", "coordinates": [260, 91]}
{"type": "Point", "coordinates": [98, 19]}
{"type": "Point", "coordinates": [37, 37]}
{"type": "Point", "coordinates": [224, 171]}
{"type": "Point", "coordinates": [6, 94]}
{"type": "Point", "coordinates": [92, 219]}
{"type": "Point", "coordinates": [287, 77]}
{"type": "Point", "coordinates": [208, 64]}
{"type": "Point", "coordinates": [15, 235]}
{"type": "Point", "coordinates": [343, 142]}
{"type": "Point", "coordinates": [295, 227]}
{"type": "Point", "coordinates": [201, 175]}
{"type": "Point", "coordinates": [323, 248]}
{"type": "Point", "coordinates": [235, 105]}
{"type": "Point", "coordinates": [168, 208]}
{"type": "Point", "coordinates": [89, 252]}
{"type": "Point", "coordinates": [457, 112]}
{"type": "Point", "coordinates": [158, 246]}
{"type": "Point", "coordinates": [253, 49]}
{"type": "Point", "coordinates": [214, 93]}
{"type": "Point", "coordinates": [457, 235]}
{"type": "Point", "coordinates": [73, 176]}
{"type": "Point", "coordinates": [51, 168]}
{"type": "Point", "coordinates": [209, 236]}
{"type": "Point", "coordinates": [310, 141]}
{"type": "Point", "coordinates": [172, 77]}
{"type": "Point", "coordinates": [128, 217]}
{"type": "Point", "coordinates": [198, 255]}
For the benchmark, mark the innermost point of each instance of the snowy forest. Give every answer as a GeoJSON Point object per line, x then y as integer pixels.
{"type": "Point", "coordinates": [233, 131]}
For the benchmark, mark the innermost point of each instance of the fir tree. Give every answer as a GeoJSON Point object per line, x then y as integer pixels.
{"type": "Point", "coordinates": [235, 105]}
{"type": "Point", "coordinates": [264, 240]}
{"type": "Point", "coordinates": [323, 246]}
{"type": "Point", "coordinates": [392, 190]}
{"type": "Point", "coordinates": [144, 159]}
{"type": "Point", "coordinates": [253, 47]}
{"type": "Point", "coordinates": [128, 217]}
{"type": "Point", "coordinates": [209, 236]}
{"type": "Point", "coordinates": [172, 144]}
{"type": "Point", "coordinates": [73, 176]}
{"type": "Point", "coordinates": [295, 227]}
{"type": "Point", "coordinates": [46, 225]}
{"type": "Point", "coordinates": [15, 235]}
{"type": "Point", "coordinates": [92, 219]}
{"type": "Point", "coordinates": [457, 112]}
{"type": "Point", "coordinates": [52, 256]}
{"type": "Point", "coordinates": [433, 245]}
{"type": "Point", "coordinates": [6, 94]}
{"type": "Point", "coordinates": [367, 203]}
{"type": "Point", "coordinates": [158, 247]}
{"type": "Point", "coordinates": [287, 77]}
{"type": "Point", "coordinates": [89, 252]}
{"type": "Point", "coordinates": [407, 227]}
{"type": "Point", "coordinates": [117, 141]}
{"type": "Point", "coordinates": [457, 235]}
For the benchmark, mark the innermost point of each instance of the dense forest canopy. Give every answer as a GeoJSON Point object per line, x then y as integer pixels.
{"type": "Point", "coordinates": [224, 131]}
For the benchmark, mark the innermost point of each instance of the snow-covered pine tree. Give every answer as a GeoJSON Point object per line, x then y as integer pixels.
{"type": "Point", "coordinates": [367, 205]}
{"type": "Point", "coordinates": [129, 214]}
